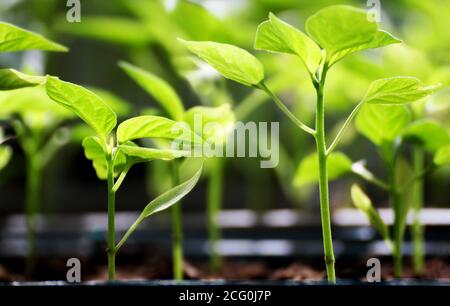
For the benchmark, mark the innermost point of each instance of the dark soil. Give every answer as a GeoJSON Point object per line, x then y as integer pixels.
{"type": "Point", "coordinates": [157, 268]}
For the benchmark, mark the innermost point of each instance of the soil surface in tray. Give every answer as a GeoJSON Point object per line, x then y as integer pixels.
{"type": "Point", "coordinates": [157, 268]}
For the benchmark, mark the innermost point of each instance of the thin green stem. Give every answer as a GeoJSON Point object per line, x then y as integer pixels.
{"type": "Point", "coordinates": [323, 179]}
{"type": "Point", "coordinates": [285, 110]}
{"type": "Point", "coordinates": [344, 127]}
{"type": "Point", "coordinates": [121, 177]}
{"type": "Point", "coordinates": [417, 230]}
{"type": "Point", "coordinates": [177, 229]}
{"type": "Point", "coordinates": [111, 221]}
{"type": "Point", "coordinates": [33, 185]}
{"type": "Point", "coordinates": [128, 233]}
{"type": "Point", "coordinates": [215, 192]}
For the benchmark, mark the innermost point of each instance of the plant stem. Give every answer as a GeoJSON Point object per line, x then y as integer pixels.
{"type": "Point", "coordinates": [323, 179]}
{"type": "Point", "coordinates": [177, 229]}
{"type": "Point", "coordinates": [215, 185]}
{"type": "Point", "coordinates": [33, 183]}
{"type": "Point", "coordinates": [417, 203]}
{"type": "Point", "coordinates": [111, 221]}
{"type": "Point", "coordinates": [395, 202]}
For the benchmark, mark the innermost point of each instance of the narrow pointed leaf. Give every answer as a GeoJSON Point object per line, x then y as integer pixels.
{"type": "Point", "coordinates": [158, 88]}
{"type": "Point", "coordinates": [308, 171]}
{"type": "Point", "coordinates": [364, 204]}
{"type": "Point", "coordinates": [13, 79]}
{"type": "Point", "coordinates": [84, 103]}
{"type": "Point", "coordinates": [279, 36]}
{"type": "Point", "coordinates": [13, 39]}
{"type": "Point", "coordinates": [171, 196]}
{"type": "Point", "coordinates": [397, 90]}
{"type": "Point", "coordinates": [232, 62]}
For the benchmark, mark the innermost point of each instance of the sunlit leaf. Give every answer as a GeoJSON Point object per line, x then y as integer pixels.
{"type": "Point", "coordinates": [141, 154]}
{"type": "Point", "coordinates": [95, 151]}
{"type": "Point", "coordinates": [13, 79]}
{"type": "Point", "coordinates": [84, 103]}
{"type": "Point", "coordinates": [308, 171]}
{"type": "Point", "coordinates": [157, 88]}
{"type": "Point", "coordinates": [155, 127]}
{"type": "Point", "coordinates": [382, 123]}
{"type": "Point", "coordinates": [13, 38]}
{"type": "Point", "coordinates": [279, 36]}
{"type": "Point", "coordinates": [232, 62]}
{"type": "Point", "coordinates": [397, 90]}
{"type": "Point", "coordinates": [340, 27]}
{"type": "Point", "coordinates": [428, 133]}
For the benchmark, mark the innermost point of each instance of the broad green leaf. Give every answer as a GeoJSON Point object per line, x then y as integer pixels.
{"type": "Point", "coordinates": [232, 62]}
{"type": "Point", "coordinates": [308, 171]}
{"type": "Point", "coordinates": [397, 90]}
{"type": "Point", "coordinates": [13, 39]}
{"type": "Point", "coordinates": [141, 154]}
{"type": "Point", "coordinates": [116, 103]}
{"type": "Point", "coordinates": [155, 127]}
{"type": "Point", "coordinates": [428, 133]}
{"type": "Point", "coordinates": [381, 39]}
{"type": "Point", "coordinates": [442, 156]}
{"type": "Point", "coordinates": [382, 123]}
{"type": "Point", "coordinates": [5, 156]}
{"type": "Point", "coordinates": [364, 204]}
{"type": "Point", "coordinates": [115, 30]}
{"type": "Point", "coordinates": [13, 79]}
{"type": "Point", "coordinates": [279, 36]}
{"type": "Point", "coordinates": [171, 196]}
{"type": "Point", "coordinates": [339, 27]}
{"type": "Point", "coordinates": [95, 151]}
{"type": "Point", "coordinates": [84, 103]}
{"type": "Point", "coordinates": [213, 123]}
{"type": "Point", "coordinates": [157, 88]}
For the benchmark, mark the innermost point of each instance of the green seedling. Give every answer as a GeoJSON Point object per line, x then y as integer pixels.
{"type": "Point", "coordinates": [388, 126]}
{"type": "Point", "coordinates": [169, 100]}
{"type": "Point", "coordinates": [13, 39]}
{"type": "Point", "coordinates": [332, 34]}
{"type": "Point", "coordinates": [113, 155]}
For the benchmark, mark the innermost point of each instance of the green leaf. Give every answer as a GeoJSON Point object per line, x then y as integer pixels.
{"type": "Point", "coordinates": [94, 150]}
{"type": "Point", "coordinates": [115, 30]}
{"type": "Point", "coordinates": [428, 133]}
{"type": "Point", "coordinates": [308, 171]}
{"type": "Point", "coordinates": [339, 27]}
{"type": "Point", "coordinates": [397, 90]}
{"type": "Point", "coordinates": [381, 39]}
{"type": "Point", "coordinates": [216, 122]}
{"type": "Point", "coordinates": [363, 203]}
{"type": "Point", "coordinates": [278, 36]}
{"type": "Point", "coordinates": [84, 103]}
{"type": "Point", "coordinates": [5, 156]}
{"type": "Point", "coordinates": [171, 196]}
{"type": "Point", "coordinates": [382, 123]}
{"type": "Point", "coordinates": [116, 103]}
{"type": "Point", "coordinates": [13, 38]}
{"type": "Point", "coordinates": [141, 154]}
{"type": "Point", "coordinates": [13, 79]}
{"type": "Point", "coordinates": [232, 62]}
{"type": "Point", "coordinates": [157, 88]}
{"type": "Point", "coordinates": [442, 156]}
{"type": "Point", "coordinates": [155, 127]}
